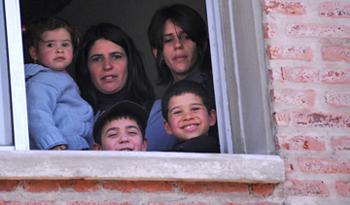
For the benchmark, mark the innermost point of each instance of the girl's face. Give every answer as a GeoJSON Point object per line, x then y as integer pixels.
{"type": "Point", "coordinates": [108, 66]}
{"type": "Point", "coordinates": [55, 51]}
{"type": "Point", "coordinates": [180, 53]}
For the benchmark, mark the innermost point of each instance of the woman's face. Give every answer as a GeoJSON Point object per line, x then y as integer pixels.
{"type": "Point", "coordinates": [108, 66]}
{"type": "Point", "coordinates": [180, 53]}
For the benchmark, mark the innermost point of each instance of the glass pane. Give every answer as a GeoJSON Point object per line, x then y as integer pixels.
{"type": "Point", "coordinates": [6, 138]}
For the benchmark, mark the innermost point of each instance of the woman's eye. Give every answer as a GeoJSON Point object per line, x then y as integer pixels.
{"type": "Point", "coordinates": [117, 56]}
{"type": "Point", "coordinates": [95, 59]}
{"type": "Point", "coordinates": [168, 40]}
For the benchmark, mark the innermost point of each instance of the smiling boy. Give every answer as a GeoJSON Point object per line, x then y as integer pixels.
{"type": "Point", "coordinates": [188, 114]}
{"type": "Point", "coordinates": [121, 128]}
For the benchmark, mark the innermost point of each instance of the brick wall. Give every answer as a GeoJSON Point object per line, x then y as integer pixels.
{"type": "Point", "coordinates": [94, 192]}
{"type": "Point", "coordinates": [308, 45]}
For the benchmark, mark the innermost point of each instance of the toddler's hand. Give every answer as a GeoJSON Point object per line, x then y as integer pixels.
{"type": "Point", "coordinates": [59, 147]}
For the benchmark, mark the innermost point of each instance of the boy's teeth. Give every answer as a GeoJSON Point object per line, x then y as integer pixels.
{"type": "Point", "coordinates": [109, 77]}
{"type": "Point", "coordinates": [190, 126]}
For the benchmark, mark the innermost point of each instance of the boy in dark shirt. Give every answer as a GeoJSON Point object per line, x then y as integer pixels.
{"type": "Point", "coordinates": [188, 114]}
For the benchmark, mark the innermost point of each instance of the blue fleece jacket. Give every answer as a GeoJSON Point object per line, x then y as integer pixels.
{"type": "Point", "coordinates": [56, 113]}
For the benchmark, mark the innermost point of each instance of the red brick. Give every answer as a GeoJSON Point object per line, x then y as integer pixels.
{"type": "Point", "coordinates": [336, 53]}
{"type": "Point", "coordinates": [80, 185]}
{"type": "Point", "coordinates": [288, 164]}
{"type": "Point", "coordinates": [263, 189]}
{"type": "Point", "coordinates": [302, 143]}
{"type": "Point", "coordinates": [306, 188]}
{"type": "Point", "coordinates": [8, 185]}
{"type": "Point", "coordinates": [41, 185]}
{"type": "Point", "coordinates": [322, 120]}
{"type": "Point", "coordinates": [276, 75]}
{"type": "Point", "coordinates": [321, 31]}
{"type": "Point", "coordinates": [309, 75]}
{"type": "Point", "coordinates": [252, 204]}
{"type": "Point", "coordinates": [294, 53]}
{"type": "Point", "coordinates": [294, 97]}
{"type": "Point", "coordinates": [324, 165]}
{"type": "Point", "coordinates": [341, 143]}
{"type": "Point", "coordinates": [31, 203]}
{"type": "Point", "coordinates": [338, 99]}
{"type": "Point", "coordinates": [282, 118]}
{"type": "Point", "coordinates": [270, 30]}
{"type": "Point", "coordinates": [288, 8]}
{"type": "Point", "coordinates": [96, 203]}
{"type": "Point", "coordinates": [343, 188]}
{"type": "Point", "coordinates": [335, 10]}
{"type": "Point", "coordinates": [129, 186]}
{"type": "Point", "coordinates": [212, 187]}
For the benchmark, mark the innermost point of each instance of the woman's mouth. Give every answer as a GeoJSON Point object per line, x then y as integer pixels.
{"type": "Point", "coordinates": [109, 77]}
{"type": "Point", "coordinates": [179, 58]}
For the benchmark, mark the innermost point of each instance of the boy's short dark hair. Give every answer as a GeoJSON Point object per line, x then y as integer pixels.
{"type": "Point", "coordinates": [124, 109]}
{"type": "Point", "coordinates": [37, 27]}
{"type": "Point", "coordinates": [183, 87]}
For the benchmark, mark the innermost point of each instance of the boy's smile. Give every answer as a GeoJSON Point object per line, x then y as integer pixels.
{"type": "Point", "coordinates": [188, 117]}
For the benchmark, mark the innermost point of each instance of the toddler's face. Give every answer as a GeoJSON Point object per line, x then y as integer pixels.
{"type": "Point", "coordinates": [122, 135]}
{"type": "Point", "coordinates": [55, 51]}
{"type": "Point", "coordinates": [188, 117]}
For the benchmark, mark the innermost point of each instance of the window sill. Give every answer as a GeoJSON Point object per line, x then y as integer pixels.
{"type": "Point", "coordinates": [164, 166]}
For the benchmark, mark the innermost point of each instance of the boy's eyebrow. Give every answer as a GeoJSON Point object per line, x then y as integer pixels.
{"type": "Point", "coordinates": [200, 104]}
{"type": "Point", "coordinates": [133, 126]}
{"type": "Point", "coordinates": [173, 109]}
{"type": "Point", "coordinates": [112, 129]}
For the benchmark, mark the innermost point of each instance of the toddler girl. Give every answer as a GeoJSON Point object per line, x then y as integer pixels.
{"type": "Point", "coordinates": [58, 118]}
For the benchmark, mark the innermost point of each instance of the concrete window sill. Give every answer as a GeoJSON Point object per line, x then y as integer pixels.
{"type": "Point", "coordinates": [164, 166]}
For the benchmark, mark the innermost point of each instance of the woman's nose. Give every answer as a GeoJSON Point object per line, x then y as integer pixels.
{"type": "Point", "coordinates": [178, 43]}
{"type": "Point", "coordinates": [107, 64]}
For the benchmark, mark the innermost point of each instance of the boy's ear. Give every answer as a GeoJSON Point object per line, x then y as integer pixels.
{"type": "Point", "coordinates": [167, 127]}
{"type": "Point", "coordinates": [96, 146]}
{"type": "Point", "coordinates": [212, 117]}
{"type": "Point", "coordinates": [144, 145]}
{"type": "Point", "coordinates": [33, 53]}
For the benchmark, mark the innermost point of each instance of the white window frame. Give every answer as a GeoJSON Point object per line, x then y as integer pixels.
{"type": "Point", "coordinates": [16, 75]}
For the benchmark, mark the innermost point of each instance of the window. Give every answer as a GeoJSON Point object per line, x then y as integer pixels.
{"type": "Point", "coordinates": [239, 69]}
